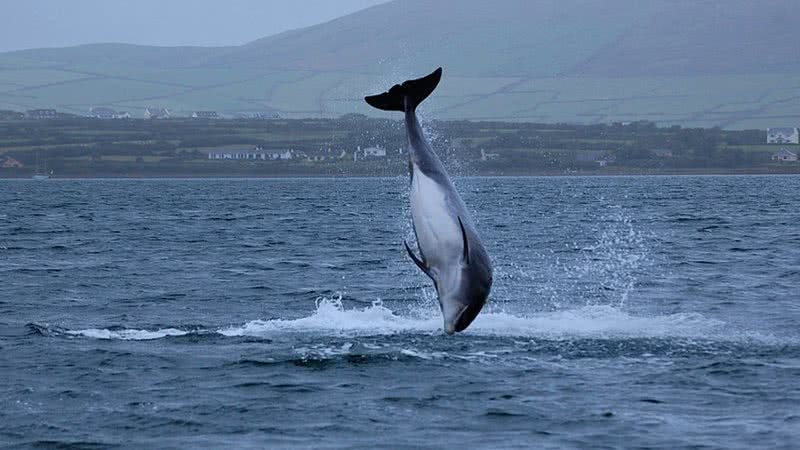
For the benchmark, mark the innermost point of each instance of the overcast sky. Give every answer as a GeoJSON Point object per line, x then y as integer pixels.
{"type": "Point", "coordinates": [57, 23]}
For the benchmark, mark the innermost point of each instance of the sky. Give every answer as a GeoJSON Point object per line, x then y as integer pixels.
{"type": "Point", "coordinates": [28, 24]}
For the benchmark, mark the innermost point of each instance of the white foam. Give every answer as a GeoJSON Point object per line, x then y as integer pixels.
{"type": "Point", "coordinates": [416, 354]}
{"type": "Point", "coordinates": [331, 318]}
{"type": "Point", "coordinates": [127, 334]}
{"type": "Point", "coordinates": [596, 322]}
{"type": "Point", "coordinates": [324, 351]}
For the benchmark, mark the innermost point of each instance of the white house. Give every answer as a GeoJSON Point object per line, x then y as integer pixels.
{"type": "Point", "coordinates": [488, 156]}
{"type": "Point", "coordinates": [783, 136]}
{"type": "Point", "coordinates": [48, 113]}
{"type": "Point", "coordinates": [205, 115]}
{"type": "Point", "coordinates": [256, 115]}
{"type": "Point", "coordinates": [240, 155]}
{"type": "Point", "coordinates": [100, 112]}
{"type": "Point", "coordinates": [593, 156]}
{"type": "Point", "coordinates": [375, 152]}
{"type": "Point", "coordinates": [156, 113]}
{"type": "Point", "coordinates": [238, 152]}
{"type": "Point", "coordinates": [10, 163]}
{"type": "Point", "coordinates": [784, 155]}
{"type": "Point", "coordinates": [251, 154]}
{"type": "Point", "coordinates": [283, 155]}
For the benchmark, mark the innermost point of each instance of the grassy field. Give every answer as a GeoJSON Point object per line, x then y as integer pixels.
{"type": "Point", "coordinates": [733, 101]}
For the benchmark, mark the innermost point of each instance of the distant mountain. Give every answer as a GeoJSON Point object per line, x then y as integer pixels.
{"type": "Point", "coordinates": [711, 62]}
{"type": "Point", "coordinates": [534, 38]}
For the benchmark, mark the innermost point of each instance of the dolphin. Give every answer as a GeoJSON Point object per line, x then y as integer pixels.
{"type": "Point", "coordinates": [451, 252]}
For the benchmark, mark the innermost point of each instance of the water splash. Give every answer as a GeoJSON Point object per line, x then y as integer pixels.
{"type": "Point", "coordinates": [332, 319]}
{"type": "Point", "coordinates": [602, 267]}
{"type": "Point", "coordinates": [611, 266]}
{"type": "Point", "coordinates": [330, 316]}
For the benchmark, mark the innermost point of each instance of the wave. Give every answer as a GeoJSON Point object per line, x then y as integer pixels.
{"type": "Point", "coordinates": [107, 333]}
{"type": "Point", "coordinates": [127, 334]}
{"type": "Point", "coordinates": [331, 318]}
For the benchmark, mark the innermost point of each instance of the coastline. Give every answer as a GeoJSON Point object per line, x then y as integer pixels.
{"type": "Point", "coordinates": [789, 170]}
{"type": "Point", "coordinates": [87, 148]}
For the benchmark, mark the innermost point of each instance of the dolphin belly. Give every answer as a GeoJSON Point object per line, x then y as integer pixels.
{"type": "Point", "coordinates": [452, 253]}
{"type": "Point", "coordinates": [438, 233]}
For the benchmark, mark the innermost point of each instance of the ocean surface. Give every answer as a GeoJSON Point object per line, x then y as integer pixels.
{"type": "Point", "coordinates": [627, 312]}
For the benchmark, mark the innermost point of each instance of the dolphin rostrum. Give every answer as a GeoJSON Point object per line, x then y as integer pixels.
{"type": "Point", "coordinates": [451, 252]}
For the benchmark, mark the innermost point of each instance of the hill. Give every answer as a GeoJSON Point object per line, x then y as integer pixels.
{"type": "Point", "coordinates": [726, 63]}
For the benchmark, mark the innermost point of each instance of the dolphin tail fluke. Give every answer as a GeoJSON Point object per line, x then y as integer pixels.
{"type": "Point", "coordinates": [407, 95]}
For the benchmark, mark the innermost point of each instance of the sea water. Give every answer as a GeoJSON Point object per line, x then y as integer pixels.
{"type": "Point", "coordinates": [657, 312]}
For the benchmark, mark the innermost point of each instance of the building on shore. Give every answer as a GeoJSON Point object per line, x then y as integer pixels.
{"type": "Point", "coordinates": [205, 115]}
{"type": "Point", "coordinates": [156, 113]}
{"type": "Point", "coordinates": [241, 155]}
{"type": "Point", "coordinates": [244, 153]}
{"type": "Point", "coordinates": [47, 113]}
{"type": "Point", "coordinates": [488, 156]}
{"type": "Point", "coordinates": [10, 163]}
{"type": "Point", "coordinates": [662, 153]}
{"type": "Point", "coordinates": [101, 112]}
{"type": "Point", "coordinates": [783, 136]}
{"type": "Point", "coordinates": [784, 155]}
{"type": "Point", "coordinates": [600, 158]}
{"type": "Point", "coordinates": [256, 115]}
{"type": "Point", "coordinates": [374, 152]}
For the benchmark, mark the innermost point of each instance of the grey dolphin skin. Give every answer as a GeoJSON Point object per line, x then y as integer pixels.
{"type": "Point", "coordinates": [451, 252]}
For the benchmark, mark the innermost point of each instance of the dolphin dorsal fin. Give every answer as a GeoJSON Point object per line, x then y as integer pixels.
{"type": "Point", "coordinates": [422, 266]}
{"type": "Point", "coordinates": [466, 241]}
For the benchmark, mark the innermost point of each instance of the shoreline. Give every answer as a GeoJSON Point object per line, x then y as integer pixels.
{"type": "Point", "coordinates": [234, 176]}
{"type": "Point", "coordinates": [90, 149]}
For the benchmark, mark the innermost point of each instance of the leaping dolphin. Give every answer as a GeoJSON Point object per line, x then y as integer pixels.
{"type": "Point", "coordinates": [451, 252]}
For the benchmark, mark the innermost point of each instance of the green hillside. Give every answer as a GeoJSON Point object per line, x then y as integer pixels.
{"type": "Point", "coordinates": [726, 63]}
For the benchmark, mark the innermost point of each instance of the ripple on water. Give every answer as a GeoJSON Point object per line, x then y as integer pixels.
{"type": "Point", "coordinates": [625, 313]}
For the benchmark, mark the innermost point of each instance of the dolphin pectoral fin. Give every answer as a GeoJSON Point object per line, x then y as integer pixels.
{"type": "Point", "coordinates": [466, 241]}
{"type": "Point", "coordinates": [422, 266]}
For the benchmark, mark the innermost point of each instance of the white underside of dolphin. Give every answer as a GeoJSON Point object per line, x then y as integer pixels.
{"type": "Point", "coordinates": [452, 254]}
{"type": "Point", "coordinates": [436, 227]}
